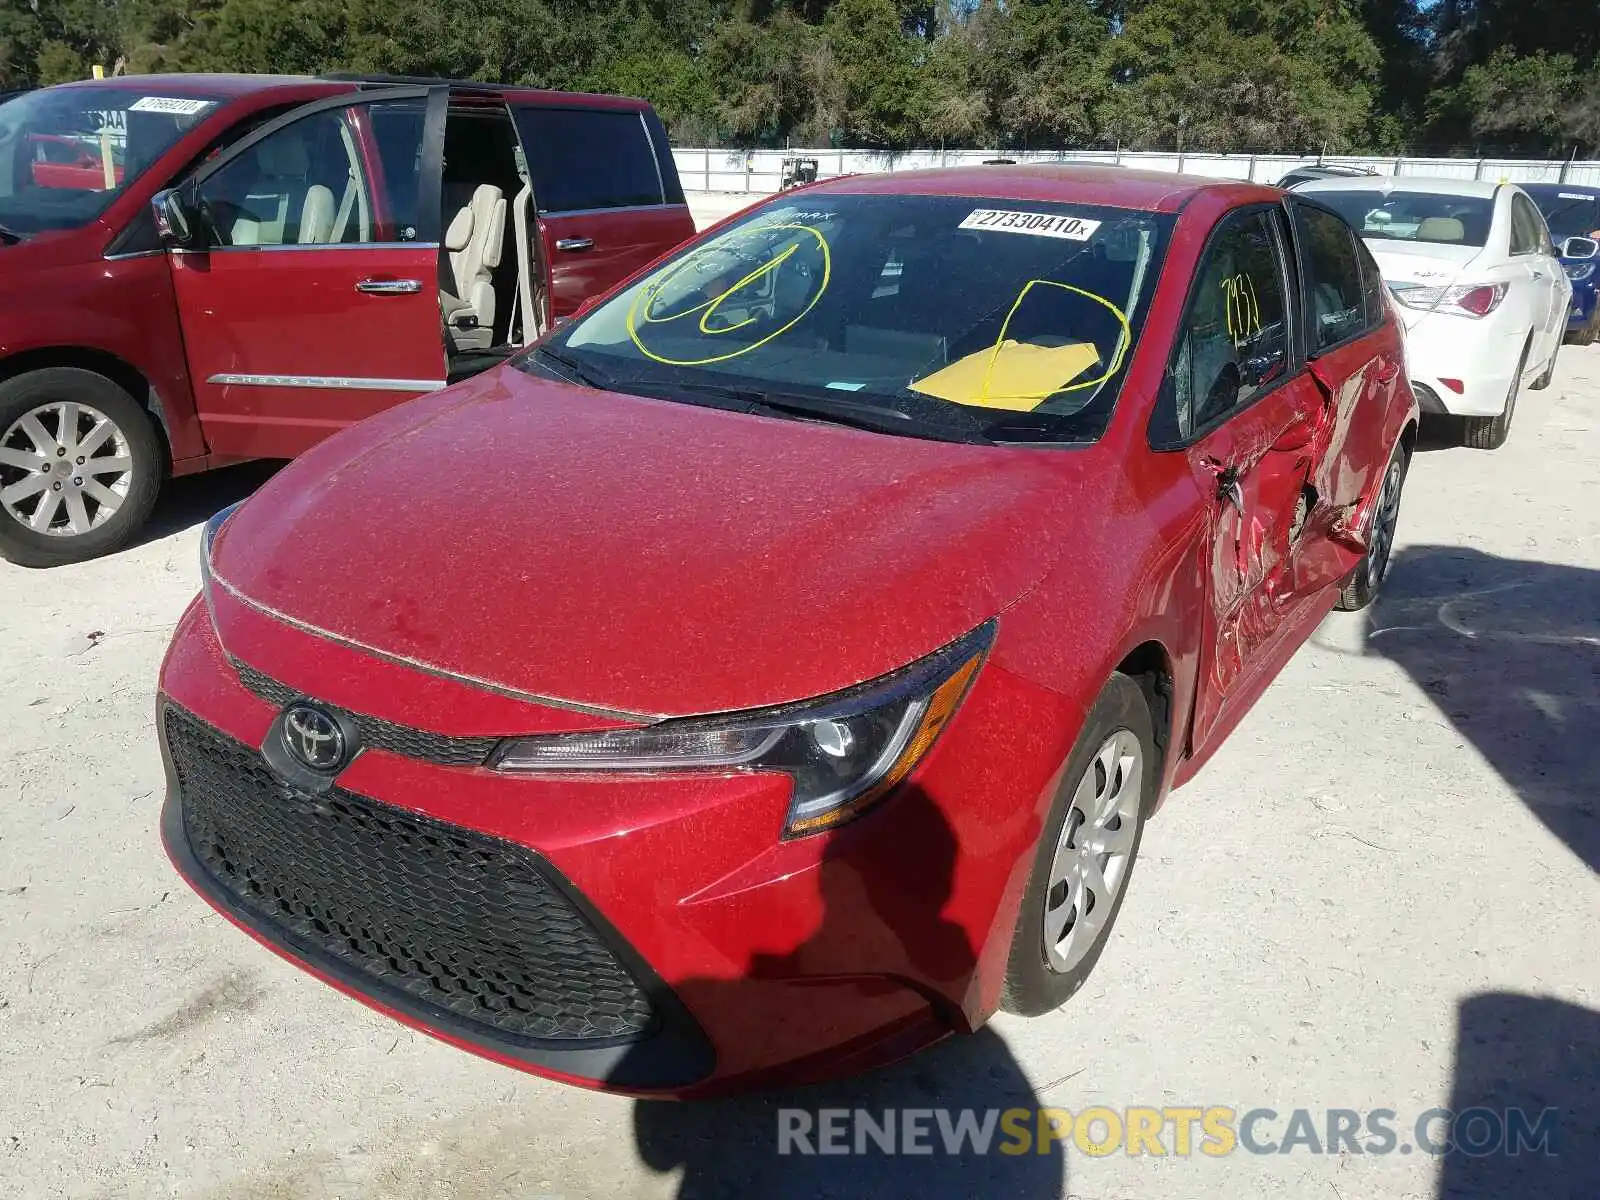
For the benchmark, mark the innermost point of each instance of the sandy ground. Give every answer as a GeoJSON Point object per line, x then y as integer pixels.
{"type": "Point", "coordinates": [1382, 893]}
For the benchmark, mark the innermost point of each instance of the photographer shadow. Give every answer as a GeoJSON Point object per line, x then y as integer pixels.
{"type": "Point", "coordinates": [735, 1147]}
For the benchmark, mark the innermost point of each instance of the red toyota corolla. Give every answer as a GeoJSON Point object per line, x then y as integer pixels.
{"type": "Point", "coordinates": [771, 672]}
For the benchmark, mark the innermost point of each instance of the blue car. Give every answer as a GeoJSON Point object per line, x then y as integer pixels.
{"type": "Point", "coordinates": [1574, 211]}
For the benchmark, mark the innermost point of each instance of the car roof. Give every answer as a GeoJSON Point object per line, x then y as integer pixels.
{"type": "Point", "coordinates": [1420, 184]}
{"type": "Point", "coordinates": [225, 86]}
{"type": "Point", "coordinates": [1111, 186]}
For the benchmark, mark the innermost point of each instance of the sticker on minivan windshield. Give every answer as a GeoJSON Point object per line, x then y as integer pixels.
{"type": "Point", "coordinates": [171, 106]}
{"type": "Point", "coordinates": [1575, 195]}
{"type": "Point", "coordinates": [1052, 225]}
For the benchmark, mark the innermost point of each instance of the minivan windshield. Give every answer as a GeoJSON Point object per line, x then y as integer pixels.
{"type": "Point", "coordinates": [67, 152]}
{"type": "Point", "coordinates": [945, 317]}
{"type": "Point", "coordinates": [1413, 216]}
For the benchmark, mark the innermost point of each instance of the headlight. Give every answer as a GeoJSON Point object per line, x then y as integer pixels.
{"type": "Point", "coordinates": [845, 752]}
{"type": "Point", "coordinates": [1578, 272]}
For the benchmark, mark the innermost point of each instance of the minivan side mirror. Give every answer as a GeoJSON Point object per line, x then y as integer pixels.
{"type": "Point", "coordinates": [1580, 247]}
{"type": "Point", "coordinates": [175, 223]}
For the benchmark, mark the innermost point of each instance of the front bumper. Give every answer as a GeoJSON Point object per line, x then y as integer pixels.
{"type": "Point", "coordinates": [1581, 315]}
{"type": "Point", "coordinates": [699, 953]}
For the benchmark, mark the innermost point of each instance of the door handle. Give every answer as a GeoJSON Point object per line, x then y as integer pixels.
{"type": "Point", "coordinates": [577, 243]}
{"type": "Point", "coordinates": [1387, 370]}
{"type": "Point", "coordinates": [1229, 489]}
{"type": "Point", "coordinates": [390, 287]}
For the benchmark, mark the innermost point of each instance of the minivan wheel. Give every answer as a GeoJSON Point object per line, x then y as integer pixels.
{"type": "Point", "coordinates": [1085, 854]}
{"type": "Point", "coordinates": [80, 466]}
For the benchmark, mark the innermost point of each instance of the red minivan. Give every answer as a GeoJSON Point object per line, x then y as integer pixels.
{"type": "Point", "coordinates": [235, 266]}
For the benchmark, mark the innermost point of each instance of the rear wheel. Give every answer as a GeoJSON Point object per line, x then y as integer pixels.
{"type": "Point", "coordinates": [1361, 589]}
{"type": "Point", "coordinates": [1490, 433]}
{"type": "Point", "coordinates": [1085, 854]}
{"type": "Point", "coordinates": [80, 466]}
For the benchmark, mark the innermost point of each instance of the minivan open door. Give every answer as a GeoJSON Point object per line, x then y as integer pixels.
{"type": "Point", "coordinates": [308, 294]}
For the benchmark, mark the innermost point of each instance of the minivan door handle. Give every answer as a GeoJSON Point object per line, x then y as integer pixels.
{"type": "Point", "coordinates": [577, 243]}
{"type": "Point", "coordinates": [390, 287]}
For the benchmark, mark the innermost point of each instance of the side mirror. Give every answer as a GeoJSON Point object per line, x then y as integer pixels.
{"type": "Point", "coordinates": [175, 225]}
{"type": "Point", "coordinates": [1580, 247]}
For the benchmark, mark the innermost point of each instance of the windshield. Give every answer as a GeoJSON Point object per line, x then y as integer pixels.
{"type": "Point", "coordinates": [1414, 216]}
{"type": "Point", "coordinates": [1570, 214]}
{"type": "Point", "coordinates": [67, 152]}
{"type": "Point", "coordinates": [931, 316]}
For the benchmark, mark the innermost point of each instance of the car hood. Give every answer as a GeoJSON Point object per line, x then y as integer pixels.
{"type": "Point", "coordinates": [644, 556]}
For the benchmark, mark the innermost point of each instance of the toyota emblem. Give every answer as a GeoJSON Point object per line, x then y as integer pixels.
{"type": "Point", "coordinates": [313, 738]}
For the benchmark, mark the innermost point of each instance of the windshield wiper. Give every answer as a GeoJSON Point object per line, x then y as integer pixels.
{"type": "Point", "coordinates": [839, 412]}
{"type": "Point", "coordinates": [10, 236]}
{"type": "Point", "coordinates": [587, 376]}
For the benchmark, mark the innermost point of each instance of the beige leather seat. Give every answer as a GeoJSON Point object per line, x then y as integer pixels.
{"type": "Point", "coordinates": [1441, 229]}
{"type": "Point", "coordinates": [474, 241]}
{"type": "Point", "coordinates": [281, 166]}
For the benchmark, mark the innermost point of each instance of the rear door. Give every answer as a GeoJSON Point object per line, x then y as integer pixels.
{"type": "Point", "coordinates": [1546, 282]}
{"type": "Point", "coordinates": [608, 199]}
{"type": "Point", "coordinates": [1238, 406]}
{"type": "Point", "coordinates": [1355, 355]}
{"type": "Point", "coordinates": [314, 302]}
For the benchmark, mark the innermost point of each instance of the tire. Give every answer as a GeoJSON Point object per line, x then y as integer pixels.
{"type": "Point", "coordinates": [1362, 588]}
{"type": "Point", "coordinates": [1490, 433]}
{"type": "Point", "coordinates": [1035, 983]}
{"type": "Point", "coordinates": [1549, 374]}
{"type": "Point", "coordinates": [74, 495]}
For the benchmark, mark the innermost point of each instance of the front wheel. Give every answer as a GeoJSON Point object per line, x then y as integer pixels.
{"type": "Point", "coordinates": [80, 466]}
{"type": "Point", "coordinates": [1085, 854]}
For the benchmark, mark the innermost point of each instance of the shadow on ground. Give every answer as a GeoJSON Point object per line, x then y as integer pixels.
{"type": "Point", "coordinates": [1509, 651]}
{"type": "Point", "coordinates": [1525, 1054]}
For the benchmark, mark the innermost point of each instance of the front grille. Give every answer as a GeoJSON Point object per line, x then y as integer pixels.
{"type": "Point", "coordinates": [452, 919]}
{"type": "Point", "coordinates": [383, 735]}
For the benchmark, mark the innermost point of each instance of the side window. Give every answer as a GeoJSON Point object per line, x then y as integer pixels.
{"type": "Point", "coordinates": [1234, 343]}
{"type": "Point", "coordinates": [1527, 235]}
{"type": "Point", "coordinates": [1373, 286]}
{"type": "Point", "coordinates": [308, 183]}
{"type": "Point", "coordinates": [583, 158]}
{"type": "Point", "coordinates": [1335, 293]}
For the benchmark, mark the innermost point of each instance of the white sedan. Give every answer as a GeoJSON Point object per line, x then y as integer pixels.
{"type": "Point", "coordinates": [1479, 285]}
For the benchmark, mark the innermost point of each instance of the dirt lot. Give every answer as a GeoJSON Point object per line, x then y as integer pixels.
{"type": "Point", "coordinates": [1383, 893]}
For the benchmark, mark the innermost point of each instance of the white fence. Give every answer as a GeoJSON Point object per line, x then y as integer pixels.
{"type": "Point", "coordinates": [761, 171]}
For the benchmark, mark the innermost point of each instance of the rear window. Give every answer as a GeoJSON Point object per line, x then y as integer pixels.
{"type": "Point", "coordinates": [585, 158]}
{"type": "Point", "coordinates": [1414, 216]}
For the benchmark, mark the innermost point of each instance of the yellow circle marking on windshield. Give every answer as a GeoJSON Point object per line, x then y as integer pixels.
{"type": "Point", "coordinates": [1116, 359]}
{"type": "Point", "coordinates": [650, 293]}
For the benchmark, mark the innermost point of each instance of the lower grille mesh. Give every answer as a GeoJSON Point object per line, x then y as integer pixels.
{"type": "Point", "coordinates": [450, 917]}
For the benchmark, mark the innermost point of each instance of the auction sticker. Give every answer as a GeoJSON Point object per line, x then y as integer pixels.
{"type": "Point", "coordinates": [1052, 225]}
{"type": "Point", "coordinates": [172, 106]}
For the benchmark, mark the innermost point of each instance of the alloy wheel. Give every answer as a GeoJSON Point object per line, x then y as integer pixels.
{"type": "Point", "coordinates": [1384, 521]}
{"type": "Point", "coordinates": [1095, 851]}
{"type": "Point", "coordinates": [65, 469]}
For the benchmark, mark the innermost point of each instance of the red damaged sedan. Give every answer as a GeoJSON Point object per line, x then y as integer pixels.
{"type": "Point", "coordinates": [772, 671]}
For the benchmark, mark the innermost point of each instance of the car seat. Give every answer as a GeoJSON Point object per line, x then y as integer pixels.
{"type": "Point", "coordinates": [474, 241]}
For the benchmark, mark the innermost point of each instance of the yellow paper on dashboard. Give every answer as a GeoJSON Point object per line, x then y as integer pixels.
{"type": "Point", "coordinates": [1017, 376]}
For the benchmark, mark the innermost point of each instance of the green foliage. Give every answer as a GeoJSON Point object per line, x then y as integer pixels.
{"type": "Point", "coordinates": [1393, 76]}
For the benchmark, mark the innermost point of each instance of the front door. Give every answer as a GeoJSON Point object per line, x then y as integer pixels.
{"type": "Point", "coordinates": [313, 300]}
{"type": "Point", "coordinates": [1247, 421]}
